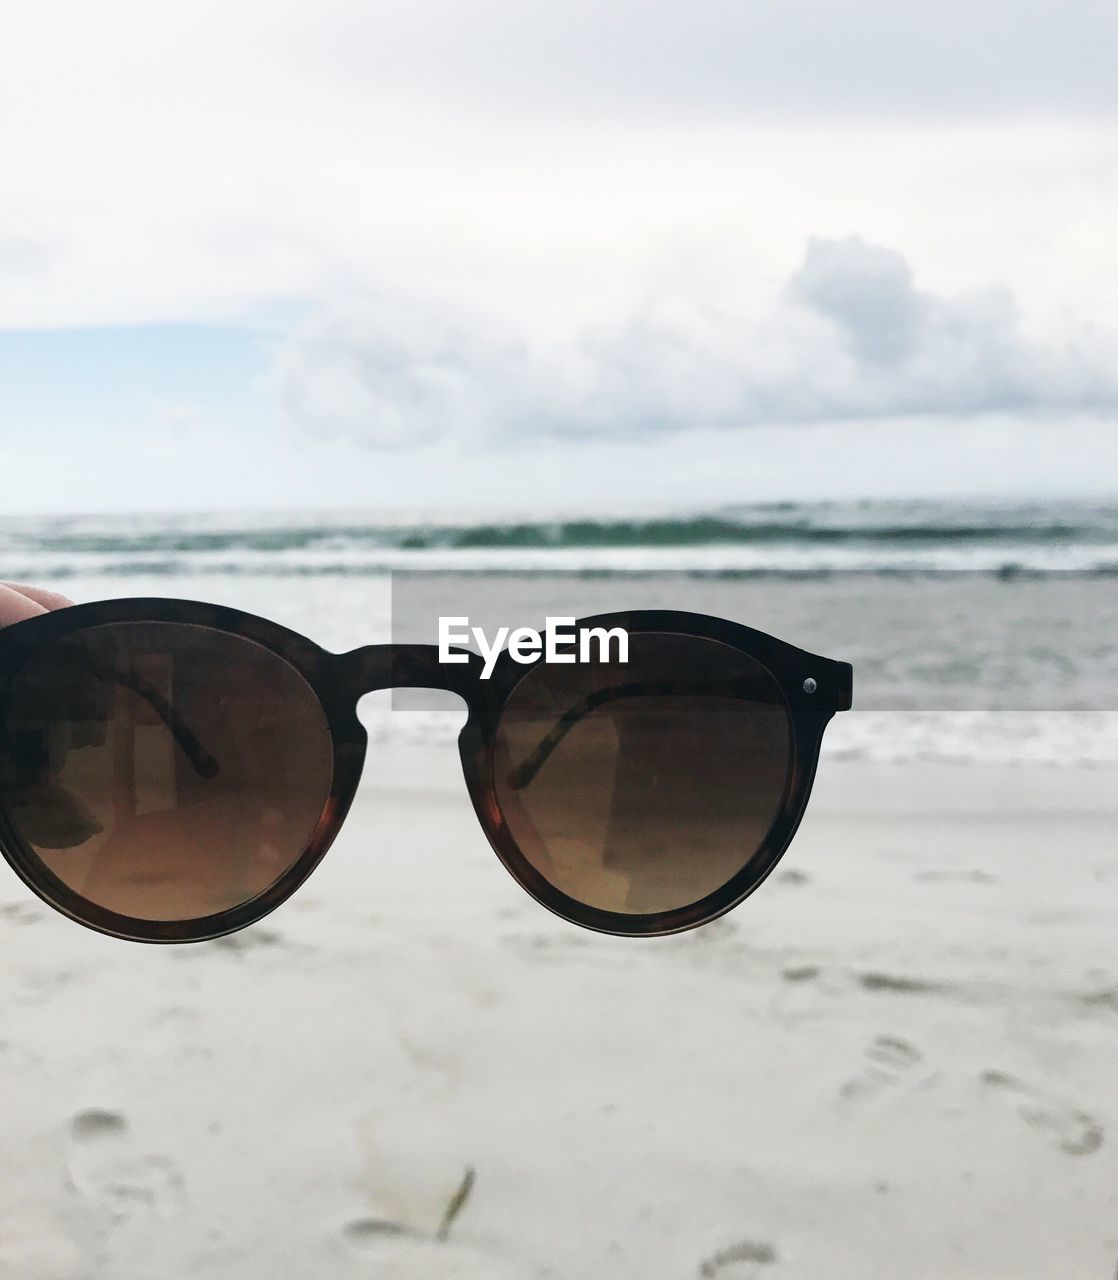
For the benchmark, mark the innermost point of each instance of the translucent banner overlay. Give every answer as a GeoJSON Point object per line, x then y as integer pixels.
{"type": "Point", "coordinates": [943, 641]}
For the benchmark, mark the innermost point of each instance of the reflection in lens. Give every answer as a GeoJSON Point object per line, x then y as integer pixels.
{"type": "Point", "coordinates": [163, 771]}
{"type": "Point", "coordinates": [643, 787]}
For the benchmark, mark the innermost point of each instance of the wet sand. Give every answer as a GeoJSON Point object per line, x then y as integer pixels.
{"type": "Point", "coordinates": [896, 1060]}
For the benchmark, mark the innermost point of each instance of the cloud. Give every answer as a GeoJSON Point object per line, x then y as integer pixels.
{"type": "Point", "coordinates": [196, 161]}
{"type": "Point", "coordinates": [893, 349]}
{"type": "Point", "coordinates": [849, 336]}
{"type": "Point", "coordinates": [201, 160]}
{"type": "Point", "coordinates": [391, 376]}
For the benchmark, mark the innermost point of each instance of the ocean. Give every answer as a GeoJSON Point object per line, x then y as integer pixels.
{"type": "Point", "coordinates": [775, 538]}
{"type": "Point", "coordinates": [978, 631]}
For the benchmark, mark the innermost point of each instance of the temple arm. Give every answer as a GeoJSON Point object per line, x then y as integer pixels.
{"type": "Point", "coordinates": [204, 763]}
{"type": "Point", "coordinates": [749, 690]}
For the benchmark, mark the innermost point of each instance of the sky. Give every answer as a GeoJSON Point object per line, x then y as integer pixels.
{"type": "Point", "coordinates": [421, 253]}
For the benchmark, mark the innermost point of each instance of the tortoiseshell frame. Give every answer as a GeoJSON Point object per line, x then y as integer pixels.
{"type": "Point", "coordinates": [340, 680]}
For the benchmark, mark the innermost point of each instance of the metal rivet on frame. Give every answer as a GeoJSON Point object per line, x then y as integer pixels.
{"type": "Point", "coordinates": [810, 685]}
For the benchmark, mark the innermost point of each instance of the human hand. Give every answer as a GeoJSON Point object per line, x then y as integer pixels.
{"type": "Point", "coordinates": [18, 602]}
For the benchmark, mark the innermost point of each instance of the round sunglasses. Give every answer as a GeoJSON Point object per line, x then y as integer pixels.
{"type": "Point", "coordinates": [171, 771]}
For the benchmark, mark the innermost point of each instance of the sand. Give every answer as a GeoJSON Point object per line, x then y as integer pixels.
{"type": "Point", "coordinates": [898, 1059]}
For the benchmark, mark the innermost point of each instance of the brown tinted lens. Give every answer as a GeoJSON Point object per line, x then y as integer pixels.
{"type": "Point", "coordinates": [643, 787]}
{"type": "Point", "coordinates": [160, 770]}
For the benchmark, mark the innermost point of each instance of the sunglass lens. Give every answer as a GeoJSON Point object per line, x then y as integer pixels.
{"type": "Point", "coordinates": [163, 771]}
{"type": "Point", "coordinates": [646, 786]}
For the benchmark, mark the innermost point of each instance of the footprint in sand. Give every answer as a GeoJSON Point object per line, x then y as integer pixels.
{"type": "Point", "coordinates": [746, 1260]}
{"type": "Point", "coordinates": [122, 1186]}
{"type": "Point", "coordinates": [258, 937]}
{"type": "Point", "coordinates": [889, 1060]}
{"type": "Point", "coordinates": [800, 972]}
{"type": "Point", "coordinates": [22, 912]}
{"type": "Point", "coordinates": [1075, 1132]}
{"type": "Point", "coordinates": [900, 984]}
{"type": "Point", "coordinates": [368, 1233]}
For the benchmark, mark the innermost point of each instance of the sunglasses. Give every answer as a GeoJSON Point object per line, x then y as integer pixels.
{"type": "Point", "coordinates": [171, 771]}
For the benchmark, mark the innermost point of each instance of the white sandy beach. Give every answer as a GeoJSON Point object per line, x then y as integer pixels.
{"type": "Point", "coordinates": [895, 1060]}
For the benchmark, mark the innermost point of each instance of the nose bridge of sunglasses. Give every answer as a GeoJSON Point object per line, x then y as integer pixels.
{"type": "Point", "coordinates": [408, 666]}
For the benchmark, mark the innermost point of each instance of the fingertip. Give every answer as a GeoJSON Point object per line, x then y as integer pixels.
{"type": "Point", "coordinates": [15, 606]}
{"type": "Point", "coordinates": [50, 600]}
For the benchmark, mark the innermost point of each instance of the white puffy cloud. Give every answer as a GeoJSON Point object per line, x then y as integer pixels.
{"type": "Point", "coordinates": [196, 159]}
{"type": "Point", "coordinates": [390, 376]}
{"type": "Point", "coordinates": [848, 336]}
